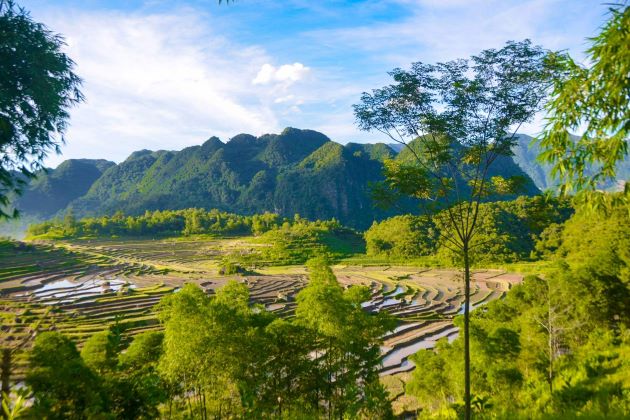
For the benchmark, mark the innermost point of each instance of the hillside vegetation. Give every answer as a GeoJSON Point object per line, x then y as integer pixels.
{"type": "Point", "coordinates": [294, 172]}
{"type": "Point", "coordinates": [555, 344]}
{"type": "Point", "coordinates": [508, 232]}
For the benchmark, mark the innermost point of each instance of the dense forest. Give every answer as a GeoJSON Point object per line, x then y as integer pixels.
{"type": "Point", "coordinates": [509, 232]}
{"type": "Point", "coordinates": [297, 171]}
{"type": "Point", "coordinates": [559, 343]}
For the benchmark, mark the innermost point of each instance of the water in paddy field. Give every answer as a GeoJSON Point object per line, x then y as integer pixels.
{"type": "Point", "coordinates": [472, 307]}
{"type": "Point", "coordinates": [397, 291]}
{"type": "Point", "coordinates": [387, 301]}
{"type": "Point", "coordinates": [404, 327]}
{"type": "Point", "coordinates": [398, 358]}
{"type": "Point", "coordinates": [69, 290]}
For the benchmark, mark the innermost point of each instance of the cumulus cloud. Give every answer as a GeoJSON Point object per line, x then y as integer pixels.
{"type": "Point", "coordinates": [286, 74]}
{"type": "Point", "coordinates": [160, 82]}
{"type": "Point", "coordinates": [171, 79]}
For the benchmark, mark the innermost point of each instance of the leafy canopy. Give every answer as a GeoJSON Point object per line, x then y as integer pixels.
{"type": "Point", "coordinates": [595, 100]}
{"type": "Point", "coordinates": [456, 119]}
{"type": "Point", "coordinates": [37, 89]}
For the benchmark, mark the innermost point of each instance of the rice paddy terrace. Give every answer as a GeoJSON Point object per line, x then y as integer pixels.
{"type": "Point", "coordinates": [83, 287]}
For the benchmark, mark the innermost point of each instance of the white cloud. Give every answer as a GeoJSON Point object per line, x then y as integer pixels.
{"type": "Point", "coordinates": [171, 80]}
{"type": "Point", "coordinates": [284, 99]}
{"type": "Point", "coordinates": [160, 82]}
{"type": "Point", "coordinates": [286, 74]}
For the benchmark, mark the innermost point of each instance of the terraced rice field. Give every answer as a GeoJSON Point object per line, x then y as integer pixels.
{"type": "Point", "coordinates": [84, 287]}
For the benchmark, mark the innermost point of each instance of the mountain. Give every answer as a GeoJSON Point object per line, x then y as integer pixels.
{"type": "Point", "coordinates": [397, 147]}
{"type": "Point", "coordinates": [525, 154]}
{"type": "Point", "coordinates": [53, 189]}
{"type": "Point", "coordinates": [296, 171]}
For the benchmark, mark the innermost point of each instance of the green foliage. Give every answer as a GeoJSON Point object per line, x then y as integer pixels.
{"type": "Point", "coordinates": [507, 231]}
{"type": "Point", "coordinates": [301, 240]}
{"type": "Point", "coordinates": [156, 223]}
{"type": "Point", "coordinates": [14, 407]}
{"type": "Point", "coordinates": [285, 241]}
{"type": "Point", "coordinates": [297, 171]}
{"type": "Point", "coordinates": [63, 386]}
{"type": "Point", "coordinates": [598, 241]}
{"type": "Point", "coordinates": [401, 237]}
{"type": "Point", "coordinates": [144, 351]}
{"type": "Point", "coordinates": [229, 268]}
{"type": "Point", "coordinates": [456, 121]}
{"type": "Point", "coordinates": [223, 357]}
{"type": "Point", "coordinates": [100, 351]}
{"type": "Point", "coordinates": [38, 88]}
{"type": "Point", "coordinates": [556, 346]}
{"type": "Point", "coordinates": [527, 150]}
{"type": "Point", "coordinates": [94, 384]}
{"type": "Point", "coordinates": [52, 190]}
{"type": "Point", "coordinates": [134, 388]}
{"type": "Point", "coordinates": [594, 100]}
{"type": "Point", "coordinates": [348, 343]}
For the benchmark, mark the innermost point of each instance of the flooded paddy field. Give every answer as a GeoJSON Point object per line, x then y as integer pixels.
{"type": "Point", "coordinates": [84, 287]}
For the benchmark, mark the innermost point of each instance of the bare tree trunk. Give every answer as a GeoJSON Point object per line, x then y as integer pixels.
{"type": "Point", "coordinates": [550, 339]}
{"type": "Point", "coordinates": [6, 376]}
{"type": "Point", "coordinates": [466, 334]}
{"type": "Point", "coordinates": [192, 414]}
{"type": "Point", "coordinates": [205, 408]}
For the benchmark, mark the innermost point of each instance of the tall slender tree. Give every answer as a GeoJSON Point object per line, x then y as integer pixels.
{"type": "Point", "coordinates": [456, 119]}
{"type": "Point", "coordinates": [347, 348]}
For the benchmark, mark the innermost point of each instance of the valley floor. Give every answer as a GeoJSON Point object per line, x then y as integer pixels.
{"type": "Point", "coordinates": [82, 287]}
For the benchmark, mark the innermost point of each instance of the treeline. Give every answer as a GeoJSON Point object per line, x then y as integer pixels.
{"type": "Point", "coordinates": [220, 357]}
{"type": "Point", "coordinates": [286, 241]}
{"type": "Point", "coordinates": [299, 240]}
{"type": "Point", "coordinates": [508, 231]}
{"type": "Point", "coordinates": [162, 223]}
{"type": "Point", "coordinates": [558, 345]}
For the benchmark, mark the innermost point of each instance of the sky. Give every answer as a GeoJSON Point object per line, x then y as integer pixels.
{"type": "Point", "coordinates": [166, 74]}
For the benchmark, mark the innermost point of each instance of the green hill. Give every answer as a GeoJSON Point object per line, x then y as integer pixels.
{"type": "Point", "coordinates": [296, 171]}
{"type": "Point", "coordinates": [54, 189]}
{"type": "Point", "coordinates": [525, 153]}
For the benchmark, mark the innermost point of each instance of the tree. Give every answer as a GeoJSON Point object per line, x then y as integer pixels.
{"type": "Point", "coordinates": [37, 89]}
{"type": "Point", "coordinates": [10, 346]}
{"type": "Point", "coordinates": [100, 351]}
{"type": "Point", "coordinates": [134, 387]}
{"type": "Point", "coordinates": [347, 345]}
{"type": "Point", "coordinates": [208, 347]}
{"type": "Point", "coordinates": [455, 120]}
{"type": "Point", "coordinates": [400, 237]}
{"type": "Point", "coordinates": [63, 386]}
{"type": "Point", "coordinates": [594, 99]}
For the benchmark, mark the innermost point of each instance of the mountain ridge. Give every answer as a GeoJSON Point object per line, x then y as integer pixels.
{"type": "Point", "coordinates": [295, 172]}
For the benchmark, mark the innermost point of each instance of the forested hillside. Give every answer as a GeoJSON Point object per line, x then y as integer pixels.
{"type": "Point", "coordinates": [526, 153]}
{"type": "Point", "coordinates": [52, 190]}
{"type": "Point", "coordinates": [295, 172]}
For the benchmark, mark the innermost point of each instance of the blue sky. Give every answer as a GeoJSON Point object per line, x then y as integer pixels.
{"type": "Point", "coordinates": [164, 74]}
